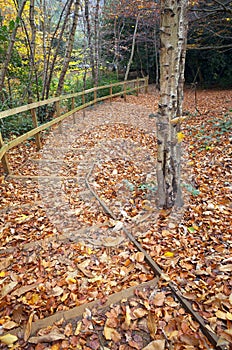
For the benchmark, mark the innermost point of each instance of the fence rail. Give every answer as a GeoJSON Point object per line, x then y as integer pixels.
{"type": "Point", "coordinates": [127, 87]}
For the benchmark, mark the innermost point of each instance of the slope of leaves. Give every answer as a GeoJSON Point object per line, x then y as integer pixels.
{"type": "Point", "coordinates": [49, 265]}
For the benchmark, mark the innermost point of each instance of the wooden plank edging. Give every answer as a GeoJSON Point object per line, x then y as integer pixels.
{"type": "Point", "coordinates": [77, 312]}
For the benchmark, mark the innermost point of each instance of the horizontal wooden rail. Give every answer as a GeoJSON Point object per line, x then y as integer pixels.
{"type": "Point", "coordinates": [6, 146]}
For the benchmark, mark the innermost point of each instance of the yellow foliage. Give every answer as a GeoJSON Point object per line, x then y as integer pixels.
{"type": "Point", "coordinates": [180, 137]}
{"type": "Point", "coordinates": [8, 11]}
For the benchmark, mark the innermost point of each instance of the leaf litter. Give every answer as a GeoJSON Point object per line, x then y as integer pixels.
{"type": "Point", "coordinates": [70, 268]}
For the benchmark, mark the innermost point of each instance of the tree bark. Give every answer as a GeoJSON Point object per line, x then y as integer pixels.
{"type": "Point", "coordinates": [173, 37]}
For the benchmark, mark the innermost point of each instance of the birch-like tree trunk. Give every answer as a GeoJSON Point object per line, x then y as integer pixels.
{"type": "Point", "coordinates": [173, 37]}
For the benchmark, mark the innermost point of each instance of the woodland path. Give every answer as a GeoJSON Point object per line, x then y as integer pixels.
{"type": "Point", "coordinates": [60, 251]}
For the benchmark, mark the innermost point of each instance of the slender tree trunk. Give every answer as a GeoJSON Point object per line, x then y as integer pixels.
{"type": "Point", "coordinates": [156, 61]}
{"type": "Point", "coordinates": [89, 38]}
{"type": "Point", "coordinates": [96, 42]}
{"type": "Point", "coordinates": [68, 48]}
{"type": "Point", "coordinates": [172, 63]}
{"type": "Point", "coordinates": [11, 45]}
{"type": "Point", "coordinates": [132, 49]}
{"type": "Point", "coordinates": [49, 70]}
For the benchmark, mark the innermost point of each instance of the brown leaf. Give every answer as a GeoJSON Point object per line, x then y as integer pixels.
{"type": "Point", "coordinates": [151, 324]}
{"type": "Point", "coordinates": [220, 314]}
{"type": "Point", "coordinates": [85, 272]}
{"type": "Point", "coordinates": [189, 339]}
{"type": "Point", "coordinates": [7, 289]}
{"type": "Point", "coordinates": [156, 345]}
{"type": "Point", "coordinates": [111, 334]}
{"type": "Point", "coordinates": [47, 338]}
{"type": "Point", "coordinates": [225, 268]}
{"type": "Point", "coordinates": [27, 332]}
{"type": "Point", "coordinates": [24, 289]}
{"type": "Point", "coordinates": [9, 325]}
{"type": "Point", "coordinates": [6, 262]}
{"type": "Point", "coordinates": [138, 313]}
{"type": "Point", "coordinates": [159, 299]}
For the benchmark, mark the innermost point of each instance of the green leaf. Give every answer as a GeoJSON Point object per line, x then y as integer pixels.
{"type": "Point", "coordinates": [11, 25]}
{"type": "Point", "coordinates": [191, 229]}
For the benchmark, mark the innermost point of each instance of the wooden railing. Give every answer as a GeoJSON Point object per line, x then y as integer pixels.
{"type": "Point", "coordinates": [126, 87]}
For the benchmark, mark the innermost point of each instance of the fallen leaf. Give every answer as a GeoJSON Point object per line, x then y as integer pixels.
{"type": "Point", "coordinates": [8, 339]}
{"type": "Point", "coordinates": [22, 218]}
{"type": "Point", "coordinates": [111, 334]}
{"type": "Point", "coordinates": [112, 241]}
{"type": "Point", "coordinates": [159, 299]}
{"type": "Point", "coordinates": [156, 345]}
{"type": "Point", "coordinates": [47, 338]}
{"type": "Point", "coordinates": [189, 339]}
{"type": "Point", "coordinates": [220, 314]}
{"type": "Point", "coordinates": [9, 325]}
{"type": "Point", "coordinates": [6, 262]}
{"type": "Point", "coordinates": [27, 331]}
{"type": "Point", "coordinates": [118, 226]}
{"type": "Point", "coordinates": [151, 324]}
{"type": "Point", "coordinates": [7, 289]}
{"type": "Point", "coordinates": [225, 268]}
{"type": "Point", "coordinates": [84, 271]}
{"type": "Point", "coordinates": [128, 316]}
{"type": "Point", "coordinates": [169, 254]}
{"type": "Point", "coordinates": [78, 328]}
{"type": "Point", "coordinates": [221, 341]}
{"type": "Point", "coordinates": [57, 291]}
{"type": "Point", "coordinates": [24, 289]}
{"type": "Point", "coordinates": [138, 313]}
{"type": "Point", "coordinates": [180, 136]}
{"type": "Point", "coordinates": [139, 257]}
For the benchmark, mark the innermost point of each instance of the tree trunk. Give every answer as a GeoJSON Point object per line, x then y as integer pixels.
{"type": "Point", "coordinates": [89, 38]}
{"type": "Point", "coordinates": [96, 42]}
{"type": "Point", "coordinates": [11, 45]}
{"type": "Point", "coordinates": [68, 49]}
{"type": "Point", "coordinates": [173, 36]}
{"type": "Point", "coordinates": [51, 60]}
{"type": "Point", "coordinates": [132, 49]}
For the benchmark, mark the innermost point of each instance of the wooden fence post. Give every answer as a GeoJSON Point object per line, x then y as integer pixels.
{"type": "Point", "coordinates": [35, 124]}
{"type": "Point", "coordinates": [73, 106]}
{"type": "Point", "coordinates": [83, 102]}
{"type": "Point", "coordinates": [124, 91]}
{"type": "Point", "coordinates": [146, 84]}
{"type": "Point", "coordinates": [137, 85]}
{"type": "Point", "coordinates": [95, 94]}
{"type": "Point", "coordinates": [57, 103]}
{"type": "Point", "coordinates": [111, 91]}
{"type": "Point", "coordinates": [4, 160]}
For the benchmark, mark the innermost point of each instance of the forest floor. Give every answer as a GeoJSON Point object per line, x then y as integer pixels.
{"type": "Point", "coordinates": [71, 279]}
